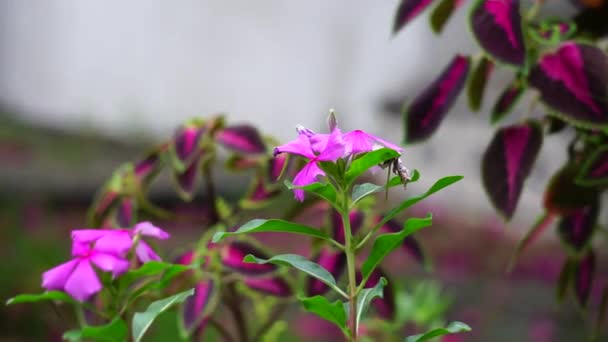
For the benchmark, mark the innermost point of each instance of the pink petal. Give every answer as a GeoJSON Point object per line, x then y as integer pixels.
{"type": "Point", "coordinates": [335, 147]}
{"type": "Point", "coordinates": [318, 142]}
{"type": "Point", "coordinates": [110, 263]}
{"type": "Point", "coordinates": [307, 175]}
{"type": "Point", "coordinates": [145, 253]}
{"type": "Point", "coordinates": [88, 235]}
{"type": "Point", "coordinates": [83, 283]}
{"type": "Point", "coordinates": [117, 242]}
{"type": "Point", "coordinates": [148, 229]}
{"type": "Point", "coordinates": [300, 146]}
{"type": "Point", "coordinates": [56, 277]}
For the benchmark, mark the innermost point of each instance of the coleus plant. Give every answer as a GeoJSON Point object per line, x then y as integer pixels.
{"type": "Point", "coordinates": [556, 61]}
{"type": "Point", "coordinates": [118, 285]}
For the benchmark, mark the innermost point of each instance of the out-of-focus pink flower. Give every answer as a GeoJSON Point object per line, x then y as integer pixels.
{"type": "Point", "coordinates": [358, 141]}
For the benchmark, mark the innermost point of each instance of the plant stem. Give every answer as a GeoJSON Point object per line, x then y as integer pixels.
{"type": "Point", "coordinates": [350, 263]}
{"type": "Point", "coordinates": [233, 302]}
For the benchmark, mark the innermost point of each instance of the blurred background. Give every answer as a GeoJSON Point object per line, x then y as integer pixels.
{"type": "Point", "coordinates": [88, 85]}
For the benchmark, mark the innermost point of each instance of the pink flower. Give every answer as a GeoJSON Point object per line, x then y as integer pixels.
{"type": "Point", "coordinates": [358, 141]}
{"type": "Point", "coordinates": [77, 276]}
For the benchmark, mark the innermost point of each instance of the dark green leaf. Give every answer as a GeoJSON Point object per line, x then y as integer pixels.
{"type": "Point", "coordinates": [143, 320]}
{"type": "Point", "coordinates": [111, 332]}
{"type": "Point", "coordinates": [301, 263]}
{"type": "Point", "coordinates": [259, 226]}
{"type": "Point", "coordinates": [333, 312]}
{"type": "Point", "coordinates": [323, 190]}
{"type": "Point", "coordinates": [386, 243]}
{"type": "Point", "coordinates": [477, 83]}
{"type": "Point", "coordinates": [441, 13]}
{"type": "Point", "coordinates": [367, 161]}
{"type": "Point", "coordinates": [452, 328]}
{"type": "Point", "coordinates": [33, 298]}
{"type": "Point", "coordinates": [365, 298]}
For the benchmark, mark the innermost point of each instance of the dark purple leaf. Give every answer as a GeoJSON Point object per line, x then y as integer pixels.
{"type": "Point", "coordinates": [125, 212]}
{"type": "Point", "coordinates": [574, 82]}
{"type": "Point", "coordinates": [232, 255]}
{"type": "Point", "coordinates": [507, 100]}
{"type": "Point", "coordinates": [595, 168]}
{"type": "Point", "coordinates": [186, 144]}
{"type": "Point", "coordinates": [242, 139]}
{"type": "Point", "coordinates": [410, 244]}
{"type": "Point", "coordinates": [507, 162]}
{"type": "Point", "coordinates": [496, 24]}
{"type": "Point", "coordinates": [239, 162]}
{"type": "Point", "coordinates": [274, 286]}
{"type": "Point", "coordinates": [332, 261]}
{"type": "Point", "coordinates": [259, 194]}
{"type": "Point", "coordinates": [277, 166]}
{"type": "Point", "coordinates": [149, 166]}
{"type": "Point", "coordinates": [476, 85]}
{"type": "Point", "coordinates": [577, 228]}
{"type": "Point", "coordinates": [564, 195]}
{"type": "Point", "coordinates": [583, 275]}
{"type": "Point", "coordinates": [195, 315]}
{"type": "Point", "coordinates": [424, 115]}
{"type": "Point", "coordinates": [356, 220]}
{"type": "Point", "coordinates": [185, 259]}
{"type": "Point", "coordinates": [187, 181]}
{"type": "Point", "coordinates": [408, 10]}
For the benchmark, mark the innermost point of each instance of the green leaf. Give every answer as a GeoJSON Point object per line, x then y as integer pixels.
{"type": "Point", "coordinates": [365, 298]}
{"type": "Point", "coordinates": [477, 82]}
{"type": "Point", "coordinates": [441, 13]}
{"type": "Point", "coordinates": [360, 191]}
{"type": "Point", "coordinates": [367, 161]}
{"type": "Point", "coordinates": [333, 312]}
{"type": "Point", "coordinates": [259, 226]}
{"type": "Point", "coordinates": [440, 184]}
{"type": "Point", "coordinates": [323, 190]}
{"type": "Point", "coordinates": [146, 270]}
{"type": "Point", "coordinates": [386, 243]}
{"type": "Point", "coordinates": [301, 263]}
{"type": "Point", "coordinates": [143, 320]}
{"type": "Point", "coordinates": [452, 328]}
{"type": "Point", "coordinates": [111, 332]}
{"type": "Point", "coordinates": [33, 298]}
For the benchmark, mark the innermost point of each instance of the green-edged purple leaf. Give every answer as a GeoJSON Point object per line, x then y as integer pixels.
{"type": "Point", "coordinates": [274, 286]}
{"type": "Point", "coordinates": [195, 311]}
{"type": "Point", "coordinates": [337, 228]}
{"type": "Point", "coordinates": [147, 168]}
{"type": "Point", "coordinates": [125, 214]}
{"type": "Point", "coordinates": [301, 263]}
{"type": "Point", "coordinates": [232, 256]}
{"type": "Point", "coordinates": [507, 100]}
{"type": "Point", "coordinates": [576, 229]}
{"type": "Point", "coordinates": [564, 195]}
{"type": "Point", "coordinates": [425, 113]}
{"type": "Point", "coordinates": [410, 244]}
{"type": "Point", "coordinates": [574, 82]}
{"type": "Point", "coordinates": [277, 166]}
{"type": "Point", "coordinates": [334, 262]}
{"type": "Point", "coordinates": [186, 145]}
{"type": "Point", "coordinates": [242, 139]}
{"type": "Point", "coordinates": [452, 328]}
{"type": "Point", "coordinates": [595, 168]}
{"type": "Point", "coordinates": [277, 226]}
{"type": "Point", "coordinates": [186, 182]}
{"type": "Point", "coordinates": [240, 162]}
{"type": "Point", "coordinates": [442, 12]}
{"type": "Point", "coordinates": [476, 85]}
{"type": "Point", "coordinates": [386, 243]}
{"type": "Point", "coordinates": [407, 11]}
{"type": "Point", "coordinates": [497, 27]}
{"type": "Point", "coordinates": [507, 162]}
{"type": "Point", "coordinates": [259, 194]}
{"type": "Point", "coordinates": [584, 273]}
{"type": "Point", "coordinates": [333, 312]}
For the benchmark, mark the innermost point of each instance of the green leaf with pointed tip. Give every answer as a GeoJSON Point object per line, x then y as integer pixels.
{"type": "Point", "coordinates": [33, 298]}
{"type": "Point", "coordinates": [361, 191]}
{"type": "Point", "coordinates": [386, 243]}
{"type": "Point", "coordinates": [323, 190]}
{"type": "Point", "coordinates": [111, 332]}
{"type": "Point", "coordinates": [367, 161]}
{"type": "Point", "coordinates": [452, 328]}
{"type": "Point", "coordinates": [143, 320]}
{"type": "Point", "coordinates": [477, 82]}
{"type": "Point", "coordinates": [333, 312]}
{"type": "Point", "coordinates": [365, 298]}
{"type": "Point", "coordinates": [440, 184]}
{"type": "Point", "coordinates": [278, 226]}
{"type": "Point", "coordinates": [301, 263]}
{"type": "Point", "coordinates": [441, 13]}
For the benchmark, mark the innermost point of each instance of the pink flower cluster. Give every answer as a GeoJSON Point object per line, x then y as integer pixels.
{"type": "Point", "coordinates": [107, 250]}
{"type": "Point", "coordinates": [328, 147]}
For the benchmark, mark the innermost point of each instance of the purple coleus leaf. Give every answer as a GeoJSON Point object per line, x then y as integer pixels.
{"type": "Point", "coordinates": [385, 306]}
{"type": "Point", "coordinates": [146, 168]}
{"type": "Point", "coordinates": [186, 144]}
{"type": "Point", "coordinates": [232, 255]}
{"type": "Point", "coordinates": [187, 180]}
{"type": "Point", "coordinates": [277, 166]}
{"type": "Point", "coordinates": [332, 261]}
{"type": "Point", "coordinates": [507, 162]}
{"type": "Point", "coordinates": [507, 100]}
{"type": "Point", "coordinates": [337, 228]}
{"type": "Point", "coordinates": [125, 212]}
{"type": "Point", "coordinates": [195, 311]}
{"type": "Point", "coordinates": [584, 273]}
{"type": "Point", "coordinates": [497, 26]}
{"type": "Point", "coordinates": [259, 193]}
{"type": "Point", "coordinates": [241, 138]}
{"type": "Point", "coordinates": [574, 82]}
{"type": "Point", "coordinates": [428, 109]}
{"type": "Point", "coordinates": [275, 286]}
{"type": "Point", "coordinates": [577, 228]}
{"type": "Point", "coordinates": [410, 245]}
{"type": "Point", "coordinates": [407, 11]}
{"type": "Point", "coordinates": [564, 195]}
{"type": "Point", "coordinates": [595, 168]}
{"type": "Point", "coordinates": [239, 162]}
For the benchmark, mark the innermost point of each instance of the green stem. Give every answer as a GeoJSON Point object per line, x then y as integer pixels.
{"type": "Point", "coordinates": [80, 316]}
{"type": "Point", "coordinates": [350, 263]}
